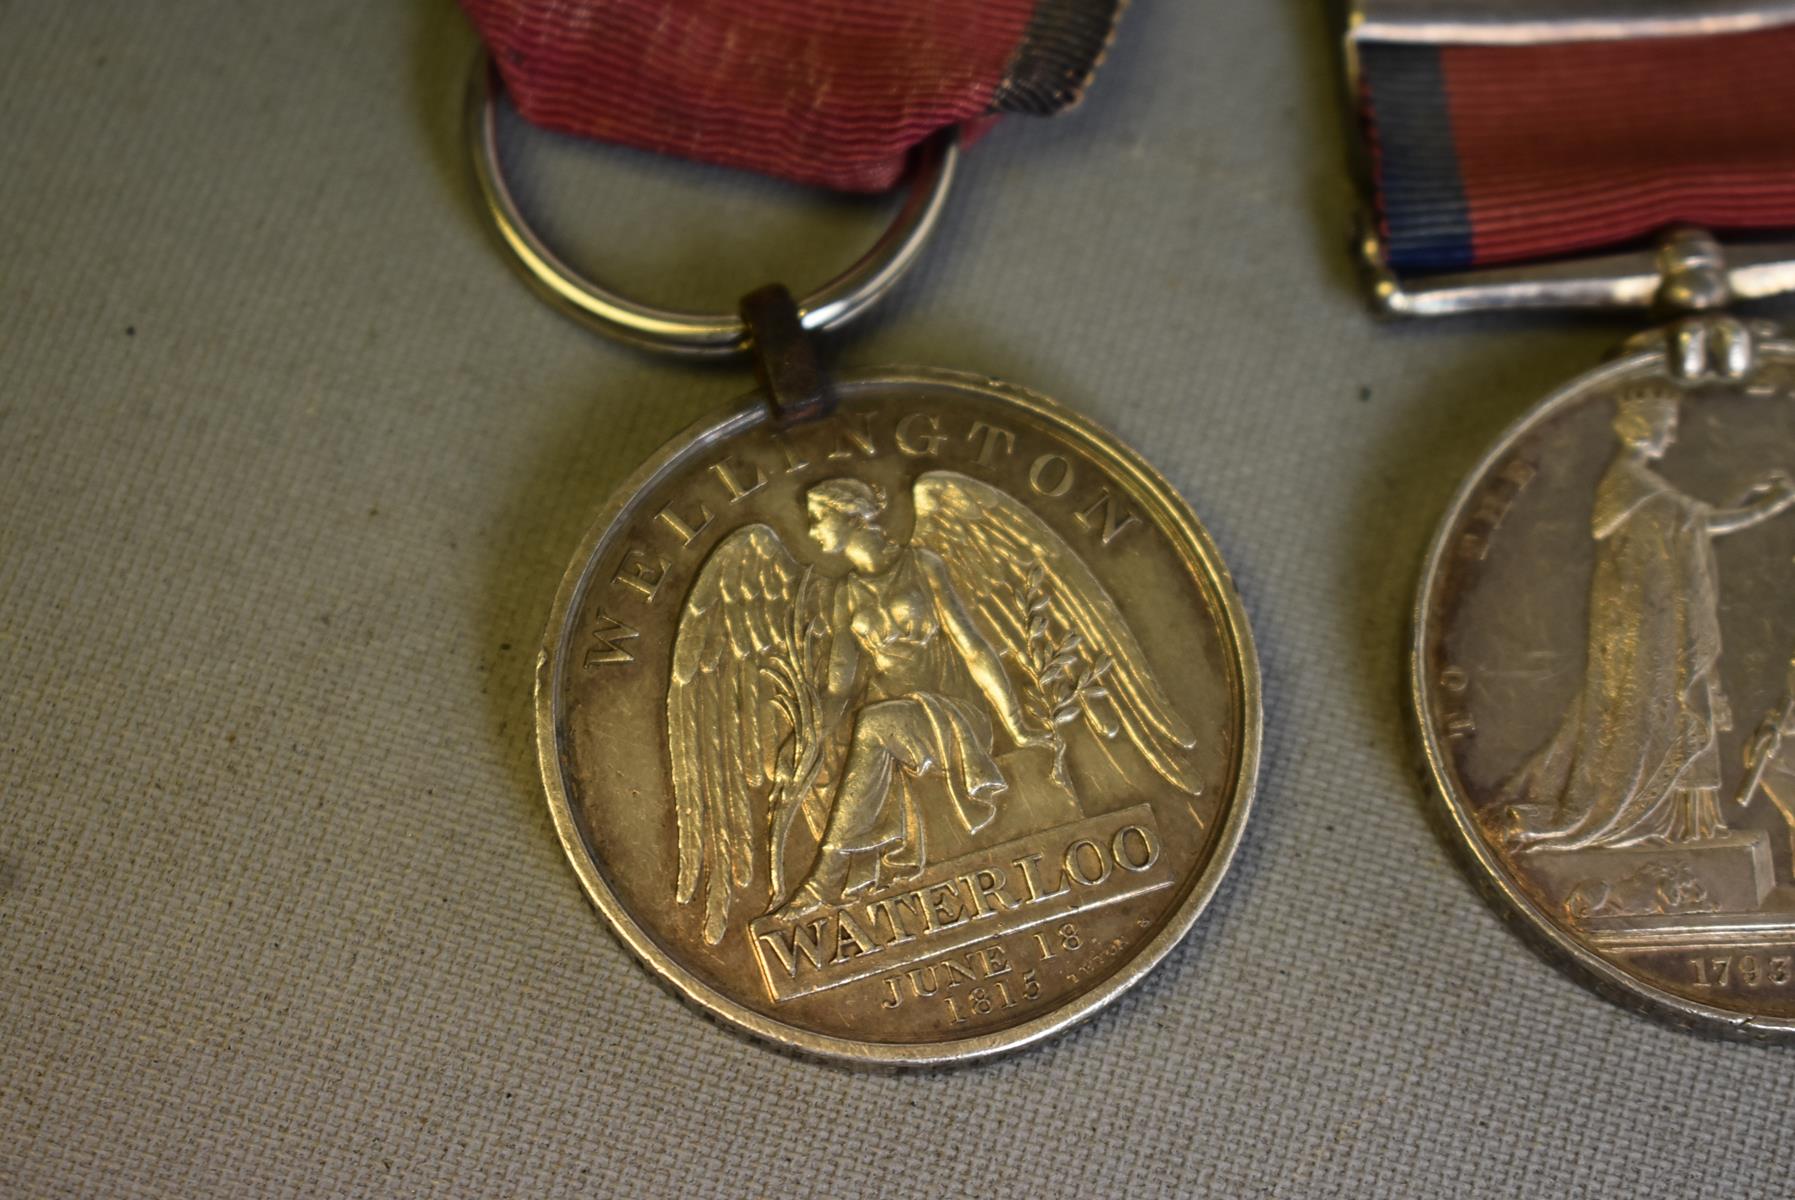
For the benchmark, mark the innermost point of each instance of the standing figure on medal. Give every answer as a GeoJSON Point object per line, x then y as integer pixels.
{"type": "Point", "coordinates": [1635, 758]}
{"type": "Point", "coordinates": [840, 703]}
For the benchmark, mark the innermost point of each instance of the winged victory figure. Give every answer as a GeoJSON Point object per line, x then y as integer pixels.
{"type": "Point", "coordinates": [793, 695]}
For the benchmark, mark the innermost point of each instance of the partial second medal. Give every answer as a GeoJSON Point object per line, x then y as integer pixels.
{"type": "Point", "coordinates": [1605, 675]}
{"type": "Point", "coordinates": [1604, 649]}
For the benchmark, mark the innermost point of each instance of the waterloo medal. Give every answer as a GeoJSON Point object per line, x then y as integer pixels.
{"type": "Point", "coordinates": [895, 716]}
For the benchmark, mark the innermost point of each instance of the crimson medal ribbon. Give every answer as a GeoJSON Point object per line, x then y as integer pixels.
{"type": "Point", "coordinates": [830, 92]}
{"type": "Point", "coordinates": [1509, 130]}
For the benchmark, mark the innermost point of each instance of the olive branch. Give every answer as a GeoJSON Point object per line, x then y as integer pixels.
{"type": "Point", "coordinates": [1063, 680]}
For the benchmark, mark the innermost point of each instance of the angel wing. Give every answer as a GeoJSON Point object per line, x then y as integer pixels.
{"type": "Point", "coordinates": [741, 695]}
{"type": "Point", "coordinates": [1048, 613]}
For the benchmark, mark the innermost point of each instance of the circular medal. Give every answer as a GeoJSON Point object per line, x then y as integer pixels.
{"type": "Point", "coordinates": [1603, 677]}
{"type": "Point", "coordinates": [908, 734]}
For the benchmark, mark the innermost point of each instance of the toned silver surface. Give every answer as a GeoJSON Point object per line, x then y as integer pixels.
{"type": "Point", "coordinates": [1602, 669]}
{"type": "Point", "coordinates": [908, 735]}
{"type": "Point", "coordinates": [1631, 279]}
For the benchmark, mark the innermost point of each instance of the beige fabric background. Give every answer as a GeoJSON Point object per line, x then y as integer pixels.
{"type": "Point", "coordinates": [291, 464]}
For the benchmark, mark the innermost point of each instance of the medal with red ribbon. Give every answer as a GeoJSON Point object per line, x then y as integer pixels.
{"type": "Point", "coordinates": [863, 712]}
{"type": "Point", "coordinates": [1602, 636]}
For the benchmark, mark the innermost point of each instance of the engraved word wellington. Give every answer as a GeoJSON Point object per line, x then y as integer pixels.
{"type": "Point", "coordinates": [1603, 637]}
{"type": "Point", "coordinates": [901, 716]}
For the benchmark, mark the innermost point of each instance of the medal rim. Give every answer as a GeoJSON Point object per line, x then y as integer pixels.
{"type": "Point", "coordinates": [1500, 886]}
{"type": "Point", "coordinates": [1190, 539]}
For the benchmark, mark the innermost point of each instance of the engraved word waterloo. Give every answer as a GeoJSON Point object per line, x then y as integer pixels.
{"type": "Point", "coordinates": [869, 735]}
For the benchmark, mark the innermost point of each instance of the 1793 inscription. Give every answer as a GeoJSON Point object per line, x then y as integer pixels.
{"type": "Point", "coordinates": [903, 733]}
{"type": "Point", "coordinates": [1609, 732]}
